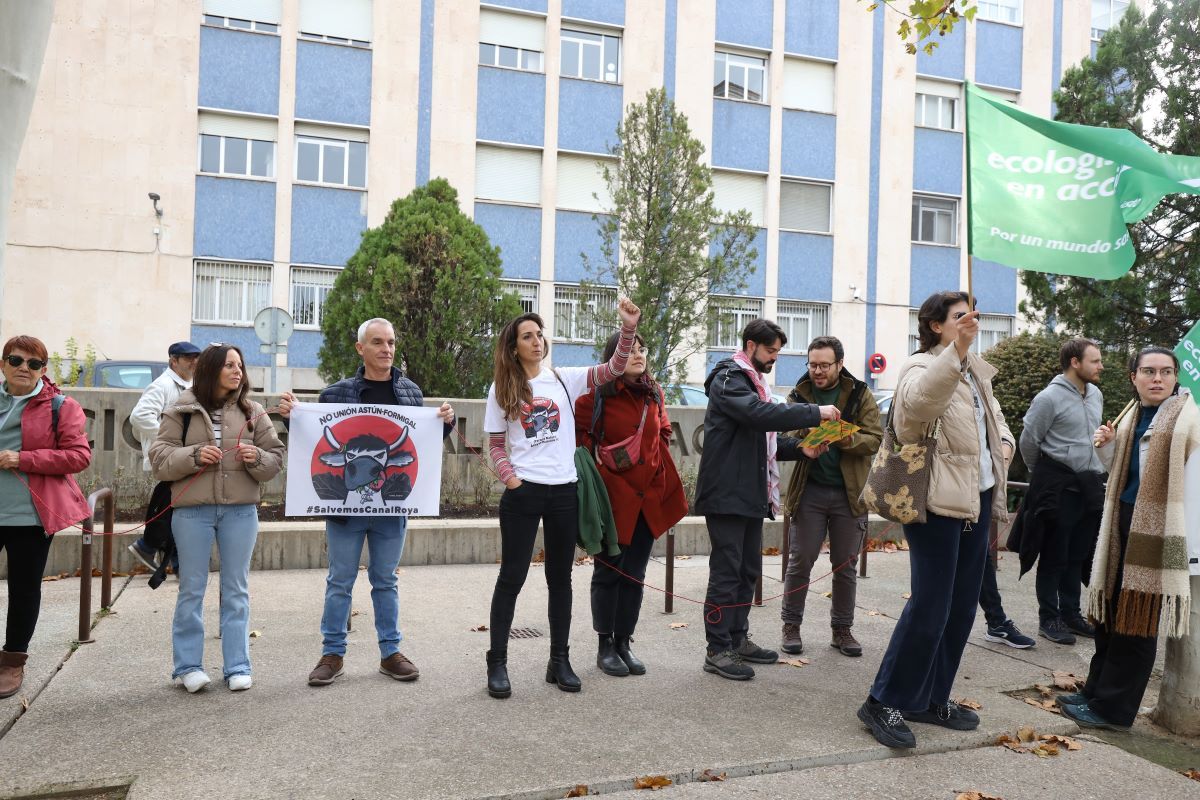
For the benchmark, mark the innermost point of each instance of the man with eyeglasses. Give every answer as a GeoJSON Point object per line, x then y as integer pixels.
{"type": "Point", "coordinates": [823, 496]}
{"type": "Point", "coordinates": [1059, 519]}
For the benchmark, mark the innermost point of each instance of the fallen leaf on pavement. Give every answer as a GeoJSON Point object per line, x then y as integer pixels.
{"type": "Point", "coordinates": [583, 561]}
{"type": "Point", "coordinates": [682, 558]}
{"type": "Point", "coordinates": [974, 795]}
{"type": "Point", "coordinates": [24, 703]}
{"type": "Point", "coordinates": [678, 626]}
{"type": "Point", "coordinates": [709, 776]}
{"type": "Point", "coordinates": [1067, 680]}
{"type": "Point", "coordinates": [1045, 750]}
{"type": "Point", "coordinates": [1045, 691]}
{"type": "Point", "coordinates": [1194, 774]}
{"type": "Point", "coordinates": [580, 790]}
{"type": "Point", "coordinates": [355, 613]}
{"type": "Point", "coordinates": [902, 544]}
{"type": "Point", "coordinates": [1064, 741]}
{"type": "Point", "coordinates": [479, 628]}
{"type": "Point", "coordinates": [795, 662]}
{"type": "Point", "coordinates": [770, 551]}
{"type": "Point", "coordinates": [1044, 705]}
{"type": "Point", "coordinates": [889, 547]}
{"type": "Point", "coordinates": [874, 613]}
{"type": "Point", "coordinates": [540, 556]}
{"type": "Point", "coordinates": [57, 577]}
{"type": "Point", "coordinates": [1026, 734]}
{"type": "Point", "coordinates": [971, 704]}
{"type": "Point", "coordinates": [826, 594]}
{"type": "Point", "coordinates": [255, 634]}
{"type": "Point", "coordinates": [906, 596]}
{"type": "Point", "coordinates": [1006, 740]}
{"type": "Point", "coordinates": [653, 782]}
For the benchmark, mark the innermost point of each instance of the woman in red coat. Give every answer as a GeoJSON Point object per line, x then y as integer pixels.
{"type": "Point", "coordinates": [644, 489]}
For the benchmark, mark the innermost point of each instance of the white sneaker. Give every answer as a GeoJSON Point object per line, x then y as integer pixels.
{"type": "Point", "coordinates": [239, 683]}
{"type": "Point", "coordinates": [193, 681]}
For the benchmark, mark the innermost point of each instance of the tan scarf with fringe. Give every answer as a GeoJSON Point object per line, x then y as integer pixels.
{"type": "Point", "coordinates": [1156, 583]}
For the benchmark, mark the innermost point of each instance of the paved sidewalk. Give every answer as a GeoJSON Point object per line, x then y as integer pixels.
{"type": "Point", "coordinates": [111, 714]}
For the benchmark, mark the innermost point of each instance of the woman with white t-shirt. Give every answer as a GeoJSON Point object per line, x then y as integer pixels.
{"type": "Point", "coordinates": [532, 411]}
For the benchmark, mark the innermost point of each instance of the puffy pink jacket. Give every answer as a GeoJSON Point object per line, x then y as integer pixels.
{"type": "Point", "coordinates": [50, 464]}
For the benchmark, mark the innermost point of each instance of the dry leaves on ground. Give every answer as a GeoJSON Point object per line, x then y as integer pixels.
{"type": "Point", "coordinates": [1064, 741]}
{"type": "Point", "coordinates": [975, 795]}
{"type": "Point", "coordinates": [826, 594]}
{"type": "Point", "coordinates": [874, 613]}
{"type": "Point", "coordinates": [682, 558]}
{"type": "Point", "coordinates": [580, 790]}
{"type": "Point", "coordinates": [770, 551]}
{"type": "Point", "coordinates": [1045, 691]}
{"type": "Point", "coordinates": [355, 613]}
{"type": "Point", "coordinates": [539, 557]}
{"type": "Point", "coordinates": [57, 577]}
{"type": "Point", "coordinates": [974, 705]}
{"type": "Point", "coordinates": [678, 626]}
{"type": "Point", "coordinates": [708, 776]}
{"type": "Point", "coordinates": [1067, 680]}
{"type": "Point", "coordinates": [652, 782]}
{"type": "Point", "coordinates": [1194, 774]}
{"type": "Point", "coordinates": [583, 561]}
{"type": "Point", "coordinates": [1043, 746]}
{"type": "Point", "coordinates": [479, 629]}
{"type": "Point", "coordinates": [795, 662]}
{"type": "Point", "coordinates": [1044, 705]}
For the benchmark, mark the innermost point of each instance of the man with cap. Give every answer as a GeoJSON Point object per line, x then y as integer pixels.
{"type": "Point", "coordinates": [160, 395]}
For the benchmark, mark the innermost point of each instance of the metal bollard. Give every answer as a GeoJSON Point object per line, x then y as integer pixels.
{"type": "Point", "coordinates": [85, 584]}
{"type": "Point", "coordinates": [106, 558]}
{"type": "Point", "coordinates": [669, 601]}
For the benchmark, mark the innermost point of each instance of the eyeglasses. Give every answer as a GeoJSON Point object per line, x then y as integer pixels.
{"type": "Point", "coordinates": [1150, 372]}
{"type": "Point", "coordinates": [821, 367]}
{"type": "Point", "coordinates": [34, 363]}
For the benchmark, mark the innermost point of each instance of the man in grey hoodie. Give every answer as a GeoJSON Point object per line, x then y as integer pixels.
{"type": "Point", "coordinates": [1059, 426]}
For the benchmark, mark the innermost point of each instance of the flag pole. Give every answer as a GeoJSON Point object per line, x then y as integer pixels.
{"type": "Point", "coordinates": [970, 209]}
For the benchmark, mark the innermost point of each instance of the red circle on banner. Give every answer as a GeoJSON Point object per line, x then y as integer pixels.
{"type": "Point", "coordinates": [364, 432]}
{"type": "Point", "coordinates": [877, 363]}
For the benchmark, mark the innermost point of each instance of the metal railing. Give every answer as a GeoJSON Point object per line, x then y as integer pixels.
{"type": "Point", "coordinates": [99, 496]}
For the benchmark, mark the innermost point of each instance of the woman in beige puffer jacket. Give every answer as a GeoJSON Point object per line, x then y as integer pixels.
{"type": "Point", "coordinates": [943, 381]}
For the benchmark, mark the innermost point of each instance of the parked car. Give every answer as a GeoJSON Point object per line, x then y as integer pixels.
{"type": "Point", "coordinates": [122, 374]}
{"type": "Point", "coordinates": [883, 398]}
{"type": "Point", "coordinates": [679, 394]}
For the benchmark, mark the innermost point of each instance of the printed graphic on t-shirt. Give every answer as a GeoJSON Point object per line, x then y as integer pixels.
{"type": "Point", "coordinates": [540, 419]}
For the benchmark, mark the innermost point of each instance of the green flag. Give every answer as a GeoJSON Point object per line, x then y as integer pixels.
{"type": "Point", "coordinates": [1055, 197]}
{"type": "Point", "coordinates": [1188, 353]}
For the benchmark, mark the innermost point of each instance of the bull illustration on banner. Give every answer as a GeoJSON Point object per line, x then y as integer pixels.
{"type": "Point", "coordinates": [364, 461]}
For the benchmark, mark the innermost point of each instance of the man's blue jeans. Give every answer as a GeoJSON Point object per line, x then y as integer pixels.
{"type": "Point", "coordinates": [385, 544]}
{"type": "Point", "coordinates": [234, 528]}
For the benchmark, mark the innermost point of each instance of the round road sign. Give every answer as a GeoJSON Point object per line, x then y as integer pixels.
{"type": "Point", "coordinates": [877, 363]}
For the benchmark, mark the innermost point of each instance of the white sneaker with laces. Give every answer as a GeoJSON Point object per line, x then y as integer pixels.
{"type": "Point", "coordinates": [193, 681]}
{"type": "Point", "coordinates": [239, 683]}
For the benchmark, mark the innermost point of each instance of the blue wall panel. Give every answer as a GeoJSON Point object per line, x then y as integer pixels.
{"type": "Point", "coordinates": [333, 83]}
{"type": "Point", "coordinates": [789, 369]}
{"type": "Point", "coordinates": [234, 219]}
{"type": "Point", "coordinates": [525, 5]}
{"type": "Point", "coordinates": [610, 11]}
{"type": "Point", "coordinates": [227, 57]}
{"type": "Point", "coordinates": [303, 347]}
{"type": "Point", "coordinates": [809, 144]}
{"type": "Point", "coordinates": [937, 161]}
{"type": "Point", "coordinates": [511, 106]}
{"type": "Point", "coordinates": [242, 336]}
{"type": "Point", "coordinates": [573, 355]}
{"type": "Point", "coordinates": [741, 135]}
{"type": "Point", "coordinates": [998, 54]}
{"type": "Point", "coordinates": [517, 231]}
{"type": "Point", "coordinates": [949, 59]}
{"type": "Point", "coordinates": [805, 266]}
{"type": "Point", "coordinates": [588, 115]}
{"type": "Point", "coordinates": [747, 22]}
{"type": "Point", "coordinates": [327, 224]}
{"type": "Point", "coordinates": [812, 28]}
{"type": "Point", "coordinates": [933, 269]}
{"type": "Point", "coordinates": [995, 287]}
{"type": "Point", "coordinates": [575, 232]}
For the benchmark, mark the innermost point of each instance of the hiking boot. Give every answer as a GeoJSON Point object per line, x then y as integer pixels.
{"type": "Point", "coordinates": [1076, 699]}
{"type": "Point", "coordinates": [1080, 626]}
{"type": "Point", "coordinates": [607, 659]}
{"type": "Point", "coordinates": [399, 667]}
{"type": "Point", "coordinates": [12, 672]}
{"type": "Point", "coordinates": [886, 724]}
{"type": "Point", "coordinates": [844, 640]}
{"type": "Point", "coordinates": [1056, 631]}
{"type": "Point", "coordinates": [1085, 716]}
{"type": "Point", "coordinates": [621, 644]}
{"type": "Point", "coordinates": [749, 651]}
{"type": "Point", "coordinates": [728, 664]}
{"type": "Point", "coordinates": [948, 714]}
{"type": "Point", "coordinates": [145, 554]}
{"type": "Point", "coordinates": [328, 668]}
{"type": "Point", "coordinates": [792, 643]}
{"type": "Point", "coordinates": [1009, 634]}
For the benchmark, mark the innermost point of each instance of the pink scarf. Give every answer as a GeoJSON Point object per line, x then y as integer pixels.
{"type": "Point", "coordinates": [743, 361]}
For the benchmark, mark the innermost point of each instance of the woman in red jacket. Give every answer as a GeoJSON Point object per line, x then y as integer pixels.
{"type": "Point", "coordinates": [38, 496]}
{"type": "Point", "coordinates": [644, 489]}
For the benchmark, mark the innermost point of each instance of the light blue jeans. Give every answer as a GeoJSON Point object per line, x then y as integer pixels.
{"type": "Point", "coordinates": [234, 528]}
{"type": "Point", "coordinates": [385, 544]}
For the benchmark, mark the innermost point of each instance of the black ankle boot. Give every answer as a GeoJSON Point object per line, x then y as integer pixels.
{"type": "Point", "coordinates": [559, 670]}
{"type": "Point", "coordinates": [632, 662]}
{"type": "Point", "coordinates": [497, 674]}
{"type": "Point", "coordinates": [607, 659]}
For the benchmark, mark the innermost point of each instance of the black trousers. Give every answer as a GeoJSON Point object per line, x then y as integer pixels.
{"type": "Point", "coordinates": [734, 564]}
{"type": "Point", "coordinates": [1060, 564]}
{"type": "Point", "coordinates": [1120, 669]}
{"type": "Point", "coordinates": [617, 600]}
{"type": "Point", "coordinates": [989, 594]}
{"type": "Point", "coordinates": [557, 508]}
{"type": "Point", "coordinates": [27, 547]}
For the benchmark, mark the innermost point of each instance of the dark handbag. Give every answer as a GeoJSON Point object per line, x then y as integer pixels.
{"type": "Point", "coordinates": [625, 453]}
{"type": "Point", "coordinates": [897, 486]}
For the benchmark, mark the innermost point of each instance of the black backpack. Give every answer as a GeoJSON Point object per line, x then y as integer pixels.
{"type": "Point", "coordinates": [158, 521]}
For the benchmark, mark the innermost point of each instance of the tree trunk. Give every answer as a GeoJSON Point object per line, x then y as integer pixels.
{"type": "Point", "coordinates": [1178, 708]}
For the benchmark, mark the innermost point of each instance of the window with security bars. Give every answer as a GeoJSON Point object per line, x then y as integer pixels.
{"type": "Point", "coordinates": [230, 292]}
{"type": "Point", "coordinates": [310, 288]}
{"type": "Point", "coordinates": [993, 329]}
{"type": "Point", "coordinates": [579, 312]}
{"type": "Point", "coordinates": [526, 292]}
{"type": "Point", "coordinates": [801, 323]}
{"type": "Point", "coordinates": [728, 316]}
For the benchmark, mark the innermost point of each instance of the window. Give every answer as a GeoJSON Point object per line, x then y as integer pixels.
{"type": "Point", "coordinates": [808, 85]}
{"type": "Point", "coordinates": [737, 77]}
{"type": "Point", "coordinates": [805, 206]}
{"type": "Point", "coordinates": [728, 316]}
{"type": "Point", "coordinates": [993, 329]}
{"type": "Point", "coordinates": [802, 322]}
{"type": "Point", "coordinates": [580, 314]}
{"type": "Point", "coordinates": [337, 21]}
{"type": "Point", "coordinates": [1106, 14]}
{"type": "Point", "coordinates": [247, 15]}
{"type": "Point", "coordinates": [914, 337]}
{"type": "Point", "coordinates": [734, 191]}
{"type": "Point", "coordinates": [527, 293]}
{"type": "Point", "coordinates": [511, 174]}
{"type": "Point", "coordinates": [935, 111]}
{"type": "Point", "coordinates": [935, 219]}
{"type": "Point", "coordinates": [591, 56]}
{"type": "Point", "coordinates": [310, 287]}
{"type": "Point", "coordinates": [1000, 10]}
{"type": "Point", "coordinates": [230, 292]}
{"type": "Point", "coordinates": [335, 162]}
{"type": "Point", "coordinates": [231, 155]}
{"type": "Point", "coordinates": [495, 55]}
{"type": "Point", "coordinates": [240, 24]}
{"type": "Point", "coordinates": [580, 185]}
{"type": "Point", "coordinates": [515, 41]}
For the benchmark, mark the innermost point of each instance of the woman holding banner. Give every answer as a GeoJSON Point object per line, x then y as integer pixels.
{"type": "Point", "coordinates": [530, 423]}
{"type": "Point", "coordinates": [218, 448]}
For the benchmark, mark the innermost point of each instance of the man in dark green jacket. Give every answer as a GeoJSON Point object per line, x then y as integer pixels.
{"type": "Point", "coordinates": [823, 496]}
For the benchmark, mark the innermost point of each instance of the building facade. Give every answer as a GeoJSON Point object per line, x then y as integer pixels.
{"type": "Point", "coordinates": [276, 131]}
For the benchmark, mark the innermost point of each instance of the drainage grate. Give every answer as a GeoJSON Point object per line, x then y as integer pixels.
{"type": "Point", "coordinates": [524, 633]}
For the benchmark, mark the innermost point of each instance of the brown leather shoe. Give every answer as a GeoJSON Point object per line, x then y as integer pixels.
{"type": "Point", "coordinates": [844, 640]}
{"type": "Point", "coordinates": [328, 668]}
{"type": "Point", "coordinates": [12, 672]}
{"type": "Point", "coordinates": [791, 642]}
{"type": "Point", "coordinates": [399, 667]}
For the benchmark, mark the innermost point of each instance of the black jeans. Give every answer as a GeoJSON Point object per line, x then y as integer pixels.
{"type": "Point", "coordinates": [1060, 564]}
{"type": "Point", "coordinates": [557, 507]}
{"type": "Point", "coordinates": [733, 569]}
{"type": "Point", "coordinates": [989, 594]}
{"type": "Point", "coordinates": [1121, 667]}
{"type": "Point", "coordinates": [27, 547]}
{"type": "Point", "coordinates": [617, 600]}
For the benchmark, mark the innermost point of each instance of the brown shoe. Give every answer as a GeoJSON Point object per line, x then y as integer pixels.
{"type": "Point", "coordinates": [844, 640]}
{"type": "Point", "coordinates": [12, 672]}
{"type": "Point", "coordinates": [792, 643]}
{"type": "Point", "coordinates": [399, 667]}
{"type": "Point", "coordinates": [328, 668]}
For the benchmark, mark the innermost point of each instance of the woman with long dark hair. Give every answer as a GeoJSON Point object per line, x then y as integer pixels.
{"type": "Point", "coordinates": [631, 437]}
{"type": "Point", "coordinates": [214, 430]}
{"type": "Point", "coordinates": [530, 423]}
